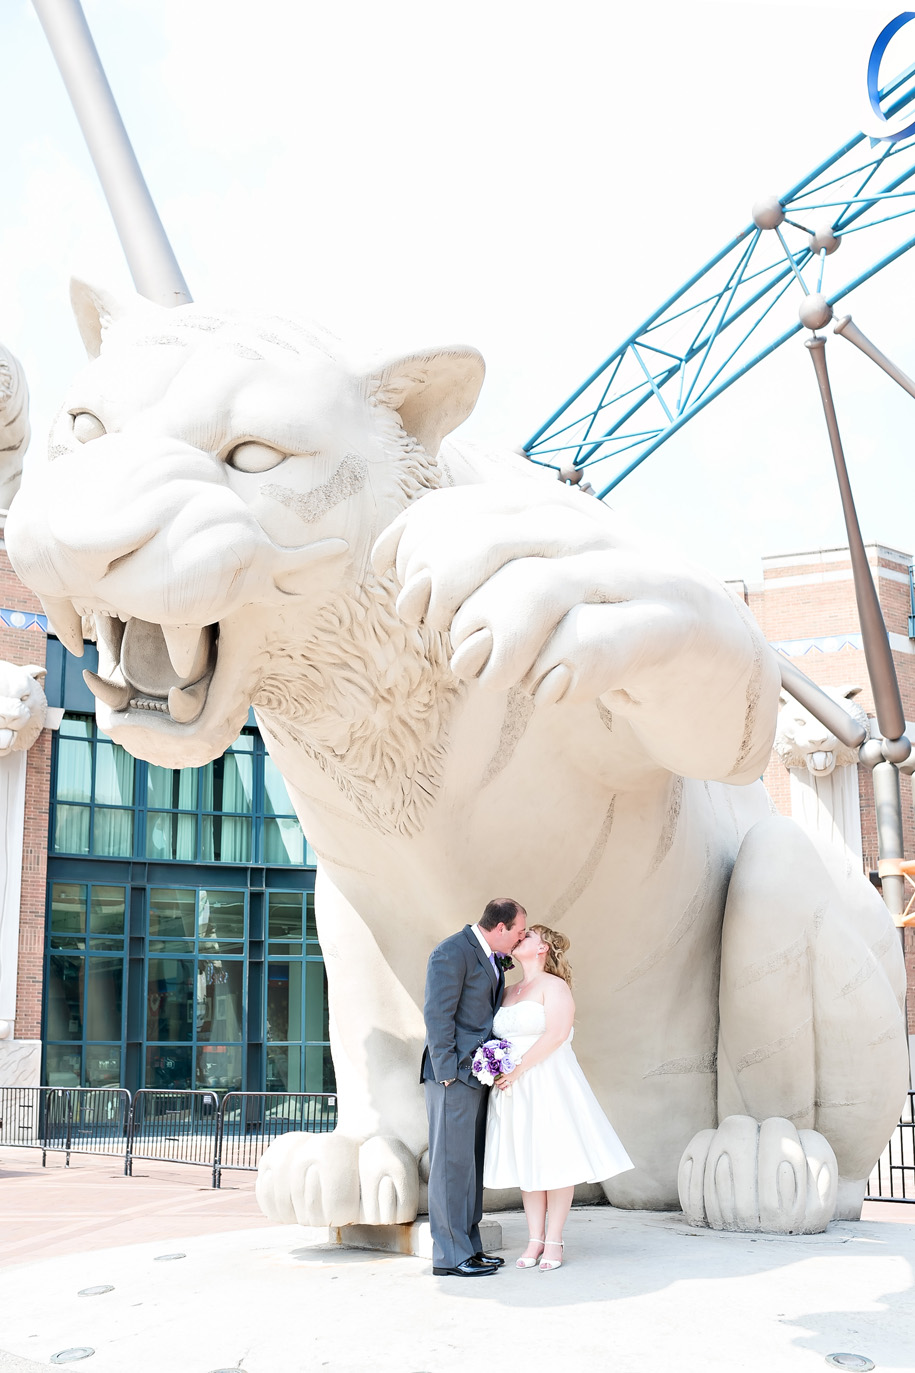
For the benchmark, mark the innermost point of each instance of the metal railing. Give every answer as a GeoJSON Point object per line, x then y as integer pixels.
{"type": "Point", "coordinates": [893, 1179]}
{"type": "Point", "coordinates": [173, 1126]}
{"type": "Point", "coordinates": [83, 1120]}
{"type": "Point", "coordinates": [250, 1121]}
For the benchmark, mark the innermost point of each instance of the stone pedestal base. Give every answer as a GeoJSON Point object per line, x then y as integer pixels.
{"type": "Point", "coordinates": [409, 1239]}
{"type": "Point", "coordinates": [20, 1062]}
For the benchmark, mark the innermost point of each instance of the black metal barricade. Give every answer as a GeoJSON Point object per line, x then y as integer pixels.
{"type": "Point", "coordinates": [250, 1121]}
{"type": "Point", "coordinates": [173, 1127]}
{"type": "Point", "coordinates": [894, 1177]}
{"type": "Point", "coordinates": [81, 1120]}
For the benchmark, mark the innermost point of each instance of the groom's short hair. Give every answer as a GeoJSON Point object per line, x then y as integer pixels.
{"type": "Point", "coordinates": [502, 910]}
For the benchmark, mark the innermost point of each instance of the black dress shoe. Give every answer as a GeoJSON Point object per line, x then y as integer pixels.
{"type": "Point", "coordinates": [470, 1268]}
{"type": "Point", "coordinates": [489, 1258]}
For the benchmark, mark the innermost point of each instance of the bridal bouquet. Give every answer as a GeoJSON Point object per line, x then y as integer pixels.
{"type": "Point", "coordinates": [491, 1059]}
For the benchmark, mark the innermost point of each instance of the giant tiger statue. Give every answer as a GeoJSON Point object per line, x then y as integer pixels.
{"type": "Point", "coordinates": [475, 680]}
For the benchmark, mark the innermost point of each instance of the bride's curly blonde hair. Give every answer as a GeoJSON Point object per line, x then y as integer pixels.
{"type": "Point", "coordinates": [556, 961]}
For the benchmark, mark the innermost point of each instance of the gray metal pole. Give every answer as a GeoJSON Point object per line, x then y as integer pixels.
{"type": "Point", "coordinates": [846, 328]}
{"type": "Point", "coordinates": [888, 805]}
{"type": "Point", "coordinates": [152, 263]}
{"type": "Point", "coordinates": [823, 708]}
{"type": "Point", "coordinates": [880, 668]}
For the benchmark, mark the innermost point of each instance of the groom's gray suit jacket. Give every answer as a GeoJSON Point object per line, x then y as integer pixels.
{"type": "Point", "coordinates": [463, 993]}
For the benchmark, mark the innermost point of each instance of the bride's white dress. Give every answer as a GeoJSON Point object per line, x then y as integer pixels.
{"type": "Point", "coordinates": [547, 1130]}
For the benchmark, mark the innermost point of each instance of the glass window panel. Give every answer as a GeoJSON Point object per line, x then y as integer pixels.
{"type": "Point", "coordinates": [172, 912]}
{"type": "Point", "coordinates": [284, 1068]}
{"type": "Point", "coordinates": [107, 910]}
{"type": "Point", "coordinates": [61, 1066]}
{"type": "Point", "coordinates": [172, 946]}
{"type": "Point", "coordinates": [276, 797]}
{"type": "Point", "coordinates": [284, 1001]}
{"type": "Point", "coordinates": [171, 789]}
{"type": "Point", "coordinates": [311, 928]}
{"type": "Point", "coordinates": [68, 907]}
{"type": "Point", "coordinates": [103, 1003]}
{"type": "Point", "coordinates": [74, 770]}
{"type": "Point", "coordinates": [219, 999]}
{"type": "Point", "coordinates": [171, 837]}
{"type": "Point", "coordinates": [316, 1018]}
{"type": "Point", "coordinates": [170, 991]}
{"type": "Point", "coordinates": [169, 1066]}
{"type": "Point", "coordinates": [71, 829]}
{"type": "Point", "coordinates": [113, 833]}
{"type": "Point", "coordinates": [226, 840]}
{"type": "Point", "coordinates": [114, 768]}
{"type": "Point", "coordinates": [227, 784]}
{"type": "Point", "coordinates": [216, 948]}
{"type": "Point", "coordinates": [244, 744]}
{"type": "Point", "coordinates": [284, 915]}
{"type": "Point", "coordinates": [219, 1067]}
{"type": "Point", "coordinates": [319, 1069]}
{"type": "Point", "coordinates": [103, 1066]}
{"type": "Point", "coordinates": [65, 996]}
{"type": "Point", "coordinates": [221, 915]}
{"type": "Point", "coordinates": [67, 941]}
{"type": "Point", "coordinates": [76, 726]}
{"type": "Point", "coordinates": [284, 842]}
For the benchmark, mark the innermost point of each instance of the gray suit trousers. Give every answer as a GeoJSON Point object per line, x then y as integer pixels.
{"type": "Point", "coordinates": [457, 1134]}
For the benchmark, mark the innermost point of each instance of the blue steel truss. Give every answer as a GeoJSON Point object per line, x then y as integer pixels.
{"type": "Point", "coordinates": [739, 307]}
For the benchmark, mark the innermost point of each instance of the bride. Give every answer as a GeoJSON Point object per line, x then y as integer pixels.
{"type": "Point", "coordinates": [548, 1132]}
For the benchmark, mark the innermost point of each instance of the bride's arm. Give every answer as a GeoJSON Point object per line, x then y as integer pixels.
{"type": "Point", "coordinates": [560, 1012]}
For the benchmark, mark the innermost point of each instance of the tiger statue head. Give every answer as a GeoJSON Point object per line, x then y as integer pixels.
{"type": "Point", "coordinates": [212, 489]}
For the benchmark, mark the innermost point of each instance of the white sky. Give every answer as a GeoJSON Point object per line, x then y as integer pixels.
{"type": "Point", "coordinates": [533, 178]}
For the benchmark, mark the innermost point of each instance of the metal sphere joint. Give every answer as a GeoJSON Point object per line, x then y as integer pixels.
{"type": "Point", "coordinates": [815, 311]}
{"type": "Point", "coordinates": [768, 213]}
{"type": "Point", "coordinates": [824, 238]}
{"type": "Point", "coordinates": [871, 752]}
{"type": "Point", "coordinates": [896, 750]}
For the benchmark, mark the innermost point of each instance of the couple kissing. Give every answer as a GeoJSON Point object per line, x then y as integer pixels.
{"type": "Point", "coordinates": [540, 1127]}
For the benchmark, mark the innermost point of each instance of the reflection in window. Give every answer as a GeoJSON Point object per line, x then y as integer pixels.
{"type": "Point", "coordinates": [84, 1017]}
{"type": "Point", "coordinates": [197, 1001]}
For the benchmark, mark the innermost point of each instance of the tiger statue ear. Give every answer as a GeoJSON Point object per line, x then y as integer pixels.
{"type": "Point", "coordinates": [95, 309]}
{"type": "Point", "coordinates": [432, 392]}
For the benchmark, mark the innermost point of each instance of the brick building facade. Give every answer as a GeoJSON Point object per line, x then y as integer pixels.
{"type": "Point", "coordinates": [22, 640]}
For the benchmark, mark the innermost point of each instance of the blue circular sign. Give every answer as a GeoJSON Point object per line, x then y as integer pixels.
{"type": "Point", "coordinates": [893, 129]}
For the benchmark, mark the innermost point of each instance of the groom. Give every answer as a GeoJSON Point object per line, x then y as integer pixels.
{"type": "Point", "coordinates": [464, 985]}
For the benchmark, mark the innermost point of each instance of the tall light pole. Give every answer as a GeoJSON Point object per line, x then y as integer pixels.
{"type": "Point", "coordinates": [152, 263]}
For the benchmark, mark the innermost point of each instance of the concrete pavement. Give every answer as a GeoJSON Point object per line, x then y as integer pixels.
{"type": "Point", "coordinates": [639, 1293]}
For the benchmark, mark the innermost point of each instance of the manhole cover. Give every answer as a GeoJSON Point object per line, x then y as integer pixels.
{"type": "Point", "coordinates": [856, 1361]}
{"type": "Point", "coordinates": [167, 1258]}
{"type": "Point", "coordinates": [95, 1291]}
{"type": "Point", "coordinates": [81, 1351]}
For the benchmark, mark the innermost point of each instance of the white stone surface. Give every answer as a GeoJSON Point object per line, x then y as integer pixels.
{"type": "Point", "coordinates": [823, 772]}
{"type": "Point", "coordinates": [23, 706]}
{"type": "Point", "coordinates": [413, 1239]}
{"type": "Point", "coordinates": [14, 425]}
{"type": "Point", "coordinates": [475, 681]}
{"type": "Point", "coordinates": [20, 1062]}
{"type": "Point", "coordinates": [638, 1291]}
